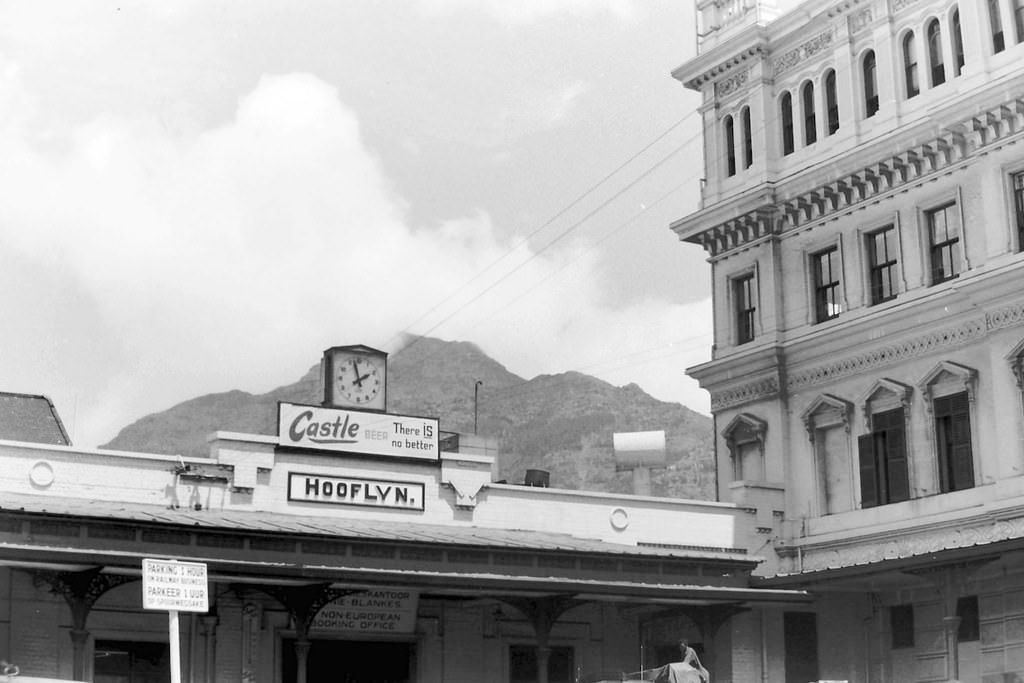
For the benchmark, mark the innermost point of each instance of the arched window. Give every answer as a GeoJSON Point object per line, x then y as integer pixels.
{"type": "Point", "coordinates": [995, 23]}
{"type": "Point", "coordinates": [810, 121]}
{"type": "Point", "coordinates": [748, 140]}
{"type": "Point", "coordinates": [910, 64]}
{"type": "Point", "coordinates": [935, 61]}
{"type": "Point", "coordinates": [831, 103]}
{"type": "Point", "coordinates": [730, 146]}
{"type": "Point", "coordinates": [786, 106]}
{"type": "Point", "coordinates": [870, 84]}
{"type": "Point", "coordinates": [958, 44]}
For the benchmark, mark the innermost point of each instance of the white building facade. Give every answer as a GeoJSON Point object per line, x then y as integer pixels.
{"type": "Point", "coordinates": [863, 214]}
{"type": "Point", "coordinates": [330, 559]}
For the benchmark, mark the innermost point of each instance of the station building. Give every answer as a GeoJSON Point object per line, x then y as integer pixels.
{"type": "Point", "coordinates": [353, 545]}
{"type": "Point", "coordinates": [863, 215]}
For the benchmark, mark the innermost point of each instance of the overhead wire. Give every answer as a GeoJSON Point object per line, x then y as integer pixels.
{"type": "Point", "coordinates": [415, 337]}
{"type": "Point", "coordinates": [562, 235]}
{"type": "Point", "coordinates": [511, 250]}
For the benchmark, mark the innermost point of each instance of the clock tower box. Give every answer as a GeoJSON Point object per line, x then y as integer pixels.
{"type": "Point", "coordinates": [355, 377]}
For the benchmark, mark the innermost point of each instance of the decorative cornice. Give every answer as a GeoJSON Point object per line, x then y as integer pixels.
{"type": "Point", "coordinates": [860, 20]}
{"type": "Point", "coordinates": [731, 84]}
{"type": "Point", "coordinates": [907, 545]}
{"type": "Point", "coordinates": [748, 393]}
{"type": "Point", "coordinates": [725, 66]}
{"type": "Point", "coordinates": [900, 5]}
{"type": "Point", "coordinates": [949, 337]}
{"type": "Point", "coordinates": [913, 164]}
{"type": "Point", "coordinates": [803, 52]}
{"type": "Point", "coordinates": [966, 377]}
{"type": "Point", "coordinates": [953, 336]}
{"type": "Point", "coordinates": [828, 402]}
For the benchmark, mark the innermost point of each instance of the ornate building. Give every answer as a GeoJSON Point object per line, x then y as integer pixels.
{"type": "Point", "coordinates": [863, 214]}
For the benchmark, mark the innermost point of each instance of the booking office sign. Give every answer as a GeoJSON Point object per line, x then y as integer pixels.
{"type": "Point", "coordinates": [365, 433]}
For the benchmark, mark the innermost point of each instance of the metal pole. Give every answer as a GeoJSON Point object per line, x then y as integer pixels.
{"type": "Point", "coordinates": [476, 396]}
{"type": "Point", "coordinates": [175, 647]}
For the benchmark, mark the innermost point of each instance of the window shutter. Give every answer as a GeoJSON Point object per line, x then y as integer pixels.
{"type": "Point", "coordinates": [897, 478]}
{"type": "Point", "coordinates": [868, 471]}
{"type": "Point", "coordinates": [963, 461]}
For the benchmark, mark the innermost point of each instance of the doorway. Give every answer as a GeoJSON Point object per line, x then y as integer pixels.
{"type": "Point", "coordinates": [351, 661]}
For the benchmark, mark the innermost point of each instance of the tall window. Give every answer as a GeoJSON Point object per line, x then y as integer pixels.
{"type": "Point", "coordinates": [953, 439]}
{"type": "Point", "coordinates": [748, 141]}
{"type": "Point", "coordinates": [1018, 19]}
{"type": "Point", "coordinates": [730, 146]}
{"type": "Point", "coordinates": [882, 259]}
{"type": "Point", "coordinates": [936, 63]}
{"type": "Point", "coordinates": [744, 437]}
{"type": "Point", "coordinates": [827, 270]}
{"type": "Point", "coordinates": [810, 121]}
{"type": "Point", "coordinates": [995, 23]}
{"type": "Point", "coordinates": [910, 65]}
{"type": "Point", "coordinates": [958, 44]}
{"type": "Point", "coordinates": [943, 242]}
{"type": "Point", "coordinates": [786, 107]}
{"type": "Point", "coordinates": [882, 454]}
{"type": "Point", "coordinates": [831, 103]}
{"type": "Point", "coordinates": [970, 624]}
{"type": "Point", "coordinates": [870, 84]}
{"type": "Point", "coordinates": [1018, 203]}
{"type": "Point", "coordinates": [901, 623]}
{"type": "Point", "coordinates": [827, 421]}
{"type": "Point", "coordinates": [744, 300]}
{"type": "Point", "coordinates": [800, 635]}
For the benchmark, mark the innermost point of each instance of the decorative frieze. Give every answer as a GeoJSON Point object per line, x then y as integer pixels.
{"type": "Point", "coordinates": [950, 337]}
{"type": "Point", "coordinates": [957, 142]}
{"type": "Point", "coordinates": [907, 545]}
{"type": "Point", "coordinates": [900, 5]}
{"type": "Point", "coordinates": [966, 333]}
{"type": "Point", "coordinates": [860, 20]}
{"type": "Point", "coordinates": [804, 51]}
{"type": "Point", "coordinates": [1005, 317]}
{"type": "Point", "coordinates": [747, 393]}
{"type": "Point", "coordinates": [729, 85]}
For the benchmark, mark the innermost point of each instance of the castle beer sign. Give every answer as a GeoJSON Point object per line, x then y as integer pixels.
{"type": "Point", "coordinates": [354, 431]}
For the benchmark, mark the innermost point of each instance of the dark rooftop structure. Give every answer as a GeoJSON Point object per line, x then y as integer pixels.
{"type": "Point", "coordinates": [31, 418]}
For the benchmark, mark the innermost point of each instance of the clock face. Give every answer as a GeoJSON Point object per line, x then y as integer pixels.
{"type": "Point", "coordinates": [358, 380]}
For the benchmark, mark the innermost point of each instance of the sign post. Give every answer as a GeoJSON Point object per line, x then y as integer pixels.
{"type": "Point", "coordinates": [175, 586]}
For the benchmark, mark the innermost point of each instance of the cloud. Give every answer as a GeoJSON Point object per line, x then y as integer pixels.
{"type": "Point", "coordinates": [530, 11]}
{"type": "Point", "coordinates": [231, 257]}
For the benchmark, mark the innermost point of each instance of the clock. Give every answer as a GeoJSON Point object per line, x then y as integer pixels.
{"type": "Point", "coordinates": [355, 377]}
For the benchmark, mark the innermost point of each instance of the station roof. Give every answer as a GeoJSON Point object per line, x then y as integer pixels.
{"type": "Point", "coordinates": [47, 532]}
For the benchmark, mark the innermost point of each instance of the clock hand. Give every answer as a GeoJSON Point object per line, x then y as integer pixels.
{"type": "Point", "coordinates": [358, 381]}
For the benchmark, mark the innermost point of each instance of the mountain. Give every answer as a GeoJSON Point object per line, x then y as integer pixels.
{"type": "Point", "coordinates": [559, 423]}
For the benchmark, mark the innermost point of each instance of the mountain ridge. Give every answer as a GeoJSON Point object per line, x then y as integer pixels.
{"type": "Point", "coordinates": [562, 423]}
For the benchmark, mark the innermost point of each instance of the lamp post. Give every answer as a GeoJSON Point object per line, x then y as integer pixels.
{"type": "Point", "coordinates": [476, 396]}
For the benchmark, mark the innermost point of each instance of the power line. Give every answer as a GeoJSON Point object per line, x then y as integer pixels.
{"type": "Point", "coordinates": [593, 188]}
{"type": "Point", "coordinates": [557, 238]}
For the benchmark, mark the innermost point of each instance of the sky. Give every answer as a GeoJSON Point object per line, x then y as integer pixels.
{"type": "Point", "coordinates": [200, 196]}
